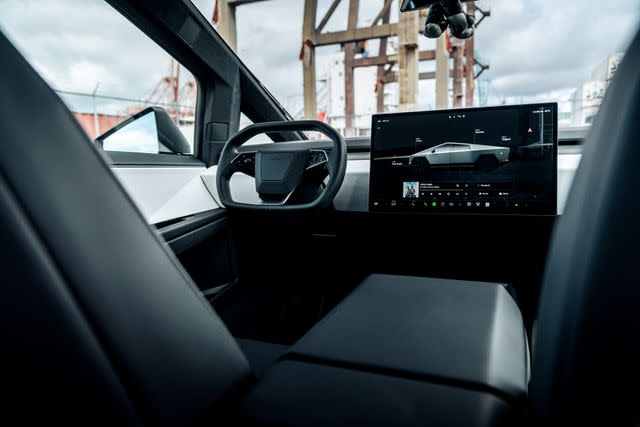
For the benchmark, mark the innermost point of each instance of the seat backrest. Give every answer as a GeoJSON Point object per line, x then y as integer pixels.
{"type": "Point", "coordinates": [586, 346]}
{"type": "Point", "coordinates": [100, 324]}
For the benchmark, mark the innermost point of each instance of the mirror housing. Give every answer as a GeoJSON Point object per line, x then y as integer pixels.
{"type": "Point", "coordinates": [151, 130]}
{"type": "Point", "coordinates": [443, 14]}
{"type": "Point", "coordinates": [411, 5]}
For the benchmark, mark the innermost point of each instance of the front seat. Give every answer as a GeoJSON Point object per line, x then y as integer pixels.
{"type": "Point", "coordinates": [101, 325]}
{"type": "Point", "coordinates": [586, 355]}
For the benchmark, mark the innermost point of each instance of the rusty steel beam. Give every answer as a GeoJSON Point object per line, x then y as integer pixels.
{"type": "Point", "coordinates": [385, 16]}
{"type": "Point", "coordinates": [425, 75]}
{"type": "Point", "coordinates": [370, 61]}
{"type": "Point", "coordinates": [236, 3]}
{"type": "Point", "coordinates": [373, 61]}
{"type": "Point", "coordinates": [458, 74]}
{"type": "Point", "coordinates": [308, 57]}
{"type": "Point", "coordinates": [357, 34]}
{"type": "Point", "coordinates": [483, 67]}
{"type": "Point", "coordinates": [469, 62]}
{"type": "Point", "coordinates": [427, 55]}
{"type": "Point", "coordinates": [385, 11]}
{"type": "Point", "coordinates": [484, 14]}
{"type": "Point", "coordinates": [468, 71]}
{"type": "Point", "coordinates": [328, 15]}
{"type": "Point", "coordinates": [408, 61]}
{"type": "Point", "coordinates": [349, 53]}
{"type": "Point", "coordinates": [226, 24]}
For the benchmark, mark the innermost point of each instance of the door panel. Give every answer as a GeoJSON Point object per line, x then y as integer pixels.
{"type": "Point", "coordinates": [203, 244]}
{"type": "Point", "coordinates": [165, 193]}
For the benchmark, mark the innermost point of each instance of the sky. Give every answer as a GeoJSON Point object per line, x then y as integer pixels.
{"type": "Point", "coordinates": [537, 49]}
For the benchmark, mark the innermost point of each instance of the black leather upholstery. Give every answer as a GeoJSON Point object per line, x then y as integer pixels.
{"type": "Point", "coordinates": [108, 324]}
{"type": "Point", "coordinates": [455, 332]}
{"type": "Point", "coordinates": [301, 394]}
{"type": "Point", "coordinates": [585, 350]}
{"type": "Point", "coordinates": [261, 355]}
{"type": "Point", "coordinates": [53, 365]}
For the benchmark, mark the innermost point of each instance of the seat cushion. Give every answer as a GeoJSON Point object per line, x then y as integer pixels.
{"type": "Point", "coordinates": [260, 354]}
{"type": "Point", "coordinates": [469, 334]}
{"type": "Point", "coordinates": [305, 394]}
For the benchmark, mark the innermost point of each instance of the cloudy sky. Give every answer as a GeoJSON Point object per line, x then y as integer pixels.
{"type": "Point", "coordinates": [537, 49]}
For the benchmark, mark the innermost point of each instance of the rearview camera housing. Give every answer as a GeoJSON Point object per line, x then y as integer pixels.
{"type": "Point", "coordinates": [443, 14]}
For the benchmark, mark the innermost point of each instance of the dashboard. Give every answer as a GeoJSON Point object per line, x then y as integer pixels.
{"type": "Point", "coordinates": [354, 194]}
{"type": "Point", "coordinates": [497, 160]}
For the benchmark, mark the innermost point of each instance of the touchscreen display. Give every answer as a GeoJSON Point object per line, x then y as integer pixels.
{"type": "Point", "coordinates": [482, 160]}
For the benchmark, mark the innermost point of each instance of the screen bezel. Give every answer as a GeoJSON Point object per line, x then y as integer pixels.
{"type": "Point", "coordinates": [553, 207]}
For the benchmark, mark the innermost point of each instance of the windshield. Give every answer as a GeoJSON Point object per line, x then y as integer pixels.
{"type": "Point", "coordinates": [335, 62]}
{"type": "Point", "coordinates": [523, 51]}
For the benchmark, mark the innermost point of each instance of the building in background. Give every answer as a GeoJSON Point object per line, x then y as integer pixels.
{"type": "Point", "coordinates": [588, 96]}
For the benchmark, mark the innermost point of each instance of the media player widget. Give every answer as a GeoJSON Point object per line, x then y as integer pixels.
{"type": "Point", "coordinates": [459, 195]}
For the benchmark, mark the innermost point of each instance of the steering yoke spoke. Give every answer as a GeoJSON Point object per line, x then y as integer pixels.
{"type": "Point", "coordinates": [279, 173]}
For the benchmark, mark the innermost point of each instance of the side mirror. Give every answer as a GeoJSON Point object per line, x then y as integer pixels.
{"type": "Point", "coordinates": [150, 131]}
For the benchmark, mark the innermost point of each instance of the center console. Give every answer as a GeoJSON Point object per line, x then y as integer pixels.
{"type": "Point", "coordinates": [392, 353]}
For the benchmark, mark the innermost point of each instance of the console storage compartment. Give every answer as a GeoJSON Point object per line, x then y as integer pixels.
{"type": "Point", "coordinates": [428, 350]}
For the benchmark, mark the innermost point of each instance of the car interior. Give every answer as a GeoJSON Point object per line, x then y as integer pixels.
{"type": "Point", "coordinates": [333, 282]}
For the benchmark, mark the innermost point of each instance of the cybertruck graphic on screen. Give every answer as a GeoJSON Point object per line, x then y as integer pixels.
{"type": "Point", "coordinates": [456, 153]}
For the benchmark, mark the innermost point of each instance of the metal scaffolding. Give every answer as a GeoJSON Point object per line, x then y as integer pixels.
{"type": "Point", "coordinates": [401, 67]}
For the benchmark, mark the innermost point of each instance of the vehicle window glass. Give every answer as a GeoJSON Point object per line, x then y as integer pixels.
{"type": "Point", "coordinates": [258, 139]}
{"type": "Point", "coordinates": [443, 148]}
{"type": "Point", "coordinates": [265, 139]}
{"type": "Point", "coordinates": [535, 50]}
{"type": "Point", "coordinates": [104, 69]}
